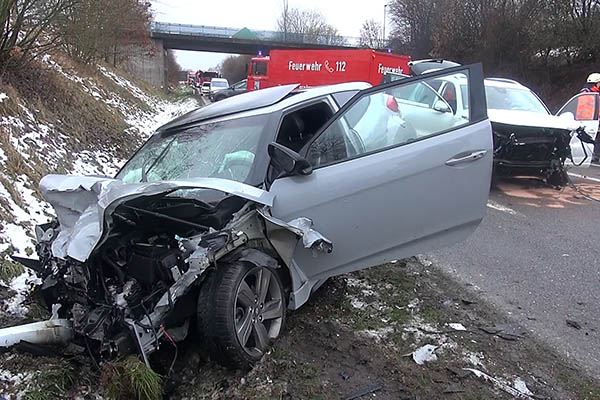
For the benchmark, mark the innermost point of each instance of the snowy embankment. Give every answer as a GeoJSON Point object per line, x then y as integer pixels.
{"type": "Point", "coordinates": [40, 141]}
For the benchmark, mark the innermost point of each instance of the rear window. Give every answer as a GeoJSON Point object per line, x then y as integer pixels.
{"type": "Point", "coordinates": [219, 84]}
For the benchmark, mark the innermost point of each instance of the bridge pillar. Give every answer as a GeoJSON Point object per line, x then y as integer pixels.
{"type": "Point", "coordinates": [152, 68]}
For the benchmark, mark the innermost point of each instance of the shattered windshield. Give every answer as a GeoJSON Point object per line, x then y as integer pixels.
{"type": "Point", "coordinates": [501, 98]}
{"type": "Point", "coordinates": [217, 150]}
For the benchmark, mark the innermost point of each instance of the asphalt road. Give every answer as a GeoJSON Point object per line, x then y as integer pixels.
{"type": "Point", "coordinates": [536, 256]}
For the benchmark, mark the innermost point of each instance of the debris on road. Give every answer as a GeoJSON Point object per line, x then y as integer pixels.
{"type": "Point", "coordinates": [501, 385]}
{"type": "Point", "coordinates": [457, 327]}
{"type": "Point", "coordinates": [506, 332]}
{"type": "Point", "coordinates": [573, 324]}
{"type": "Point", "coordinates": [521, 386]}
{"type": "Point", "coordinates": [424, 354]}
{"type": "Point", "coordinates": [364, 392]}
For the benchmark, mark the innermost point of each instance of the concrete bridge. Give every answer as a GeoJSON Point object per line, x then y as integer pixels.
{"type": "Point", "coordinates": [225, 40]}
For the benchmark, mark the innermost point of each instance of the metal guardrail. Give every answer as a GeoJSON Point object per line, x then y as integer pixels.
{"type": "Point", "coordinates": [271, 36]}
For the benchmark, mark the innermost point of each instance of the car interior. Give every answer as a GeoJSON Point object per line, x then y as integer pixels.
{"type": "Point", "coordinates": [299, 126]}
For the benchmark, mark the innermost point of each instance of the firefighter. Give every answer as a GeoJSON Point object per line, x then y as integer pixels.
{"type": "Point", "coordinates": [593, 83]}
{"type": "Point", "coordinates": [593, 86]}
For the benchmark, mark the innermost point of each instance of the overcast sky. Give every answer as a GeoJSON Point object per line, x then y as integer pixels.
{"type": "Point", "coordinates": [346, 15]}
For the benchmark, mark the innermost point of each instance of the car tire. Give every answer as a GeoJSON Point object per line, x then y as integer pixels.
{"type": "Point", "coordinates": [237, 320]}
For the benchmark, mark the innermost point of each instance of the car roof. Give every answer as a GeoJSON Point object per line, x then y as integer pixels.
{"type": "Point", "coordinates": [504, 83]}
{"type": "Point", "coordinates": [274, 98]}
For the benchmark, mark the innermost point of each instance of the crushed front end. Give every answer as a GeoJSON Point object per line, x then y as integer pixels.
{"type": "Point", "coordinates": [125, 262]}
{"type": "Point", "coordinates": [540, 151]}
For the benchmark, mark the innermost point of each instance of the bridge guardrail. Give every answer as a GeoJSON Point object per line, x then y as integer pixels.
{"type": "Point", "coordinates": [261, 35]}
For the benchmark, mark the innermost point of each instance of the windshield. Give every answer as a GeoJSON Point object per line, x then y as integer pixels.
{"type": "Point", "coordinates": [217, 150]}
{"type": "Point", "coordinates": [219, 84]}
{"type": "Point", "coordinates": [501, 98]}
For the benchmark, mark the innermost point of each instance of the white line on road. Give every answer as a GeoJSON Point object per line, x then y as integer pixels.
{"type": "Point", "coordinates": [496, 206]}
{"type": "Point", "coordinates": [583, 177]}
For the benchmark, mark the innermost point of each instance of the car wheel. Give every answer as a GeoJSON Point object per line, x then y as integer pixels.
{"type": "Point", "coordinates": [240, 313]}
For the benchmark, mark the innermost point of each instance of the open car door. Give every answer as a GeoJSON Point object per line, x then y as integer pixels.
{"type": "Point", "coordinates": [583, 108]}
{"type": "Point", "coordinates": [380, 189]}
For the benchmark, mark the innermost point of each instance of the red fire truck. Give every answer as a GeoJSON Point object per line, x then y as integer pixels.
{"type": "Point", "coordinates": [323, 67]}
{"type": "Point", "coordinates": [205, 76]}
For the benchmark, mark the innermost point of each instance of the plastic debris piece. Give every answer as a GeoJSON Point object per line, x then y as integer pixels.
{"type": "Point", "coordinates": [365, 391]}
{"type": "Point", "coordinates": [457, 327]}
{"type": "Point", "coordinates": [500, 385]}
{"type": "Point", "coordinates": [506, 332]}
{"type": "Point", "coordinates": [521, 386]}
{"type": "Point", "coordinates": [573, 324]}
{"type": "Point", "coordinates": [425, 354]}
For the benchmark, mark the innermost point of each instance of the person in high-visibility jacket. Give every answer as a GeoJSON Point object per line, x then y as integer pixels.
{"type": "Point", "coordinates": [593, 86]}
{"type": "Point", "coordinates": [593, 83]}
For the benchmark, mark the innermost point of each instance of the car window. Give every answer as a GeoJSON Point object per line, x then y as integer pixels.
{"type": "Point", "coordinates": [582, 107]}
{"type": "Point", "coordinates": [240, 85]}
{"type": "Point", "coordinates": [299, 126]}
{"type": "Point", "coordinates": [449, 94]}
{"type": "Point", "coordinates": [220, 149]}
{"type": "Point", "coordinates": [423, 94]}
{"type": "Point", "coordinates": [383, 119]}
{"type": "Point", "coordinates": [510, 98]}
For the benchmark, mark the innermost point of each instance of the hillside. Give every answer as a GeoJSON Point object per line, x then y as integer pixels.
{"type": "Point", "coordinates": [59, 117]}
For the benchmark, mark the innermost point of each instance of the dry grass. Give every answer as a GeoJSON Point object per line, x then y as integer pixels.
{"type": "Point", "coordinates": [130, 378]}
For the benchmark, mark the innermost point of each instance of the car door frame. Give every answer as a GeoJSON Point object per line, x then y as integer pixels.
{"type": "Point", "coordinates": [478, 120]}
{"type": "Point", "coordinates": [579, 149]}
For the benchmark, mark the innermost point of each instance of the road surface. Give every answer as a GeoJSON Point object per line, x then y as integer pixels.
{"type": "Point", "coordinates": [536, 256]}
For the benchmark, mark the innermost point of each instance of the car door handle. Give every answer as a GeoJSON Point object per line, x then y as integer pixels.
{"type": "Point", "coordinates": [470, 157]}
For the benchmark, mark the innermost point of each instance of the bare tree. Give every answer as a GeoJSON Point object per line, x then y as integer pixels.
{"type": "Point", "coordinates": [235, 68]}
{"type": "Point", "coordinates": [371, 34]}
{"type": "Point", "coordinates": [414, 21]}
{"type": "Point", "coordinates": [173, 68]}
{"type": "Point", "coordinates": [108, 29]}
{"type": "Point", "coordinates": [25, 28]}
{"type": "Point", "coordinates": [307, 26]}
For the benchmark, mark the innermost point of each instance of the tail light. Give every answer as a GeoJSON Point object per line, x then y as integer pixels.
{"type": "Point", "coordinates": [391, 103]}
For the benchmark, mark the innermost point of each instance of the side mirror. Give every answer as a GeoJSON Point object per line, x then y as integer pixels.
{"type": "Point", "coordinates": [287, 161]}
{"type": "Point", "coordinates": [441, 106]}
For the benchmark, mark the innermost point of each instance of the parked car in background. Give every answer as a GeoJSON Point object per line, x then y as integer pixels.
{"type": "Point", "coordinates": [584, 108]}
{"type": "Point", "coordinates": [210, 222]}
{"type": "Point", "coordinates": [205, 89]}
{"type": "Point", "coordinates": [233, 90]}
{"type": "Point", "coordinates": [217, 85]}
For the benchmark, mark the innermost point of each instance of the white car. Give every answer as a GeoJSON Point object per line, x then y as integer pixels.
{"type": "Point", "coordinates": [528, 139]}
{"type": "Point", "coordinates": [216, 85]}
{"type": "Point", "coordinates": [205, 89]}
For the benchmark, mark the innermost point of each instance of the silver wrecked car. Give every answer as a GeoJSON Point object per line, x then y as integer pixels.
{"type": "Point", "coordinates": [236, 212]}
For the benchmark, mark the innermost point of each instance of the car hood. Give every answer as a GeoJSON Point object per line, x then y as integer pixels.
{"type": "Point", "coordinates": [531, 119]}
{"type": "Point", "coordinates": [84, 203]}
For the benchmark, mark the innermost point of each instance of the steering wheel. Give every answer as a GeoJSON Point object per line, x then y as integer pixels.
{"type": "Point", "coordinates": [235, 169]}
